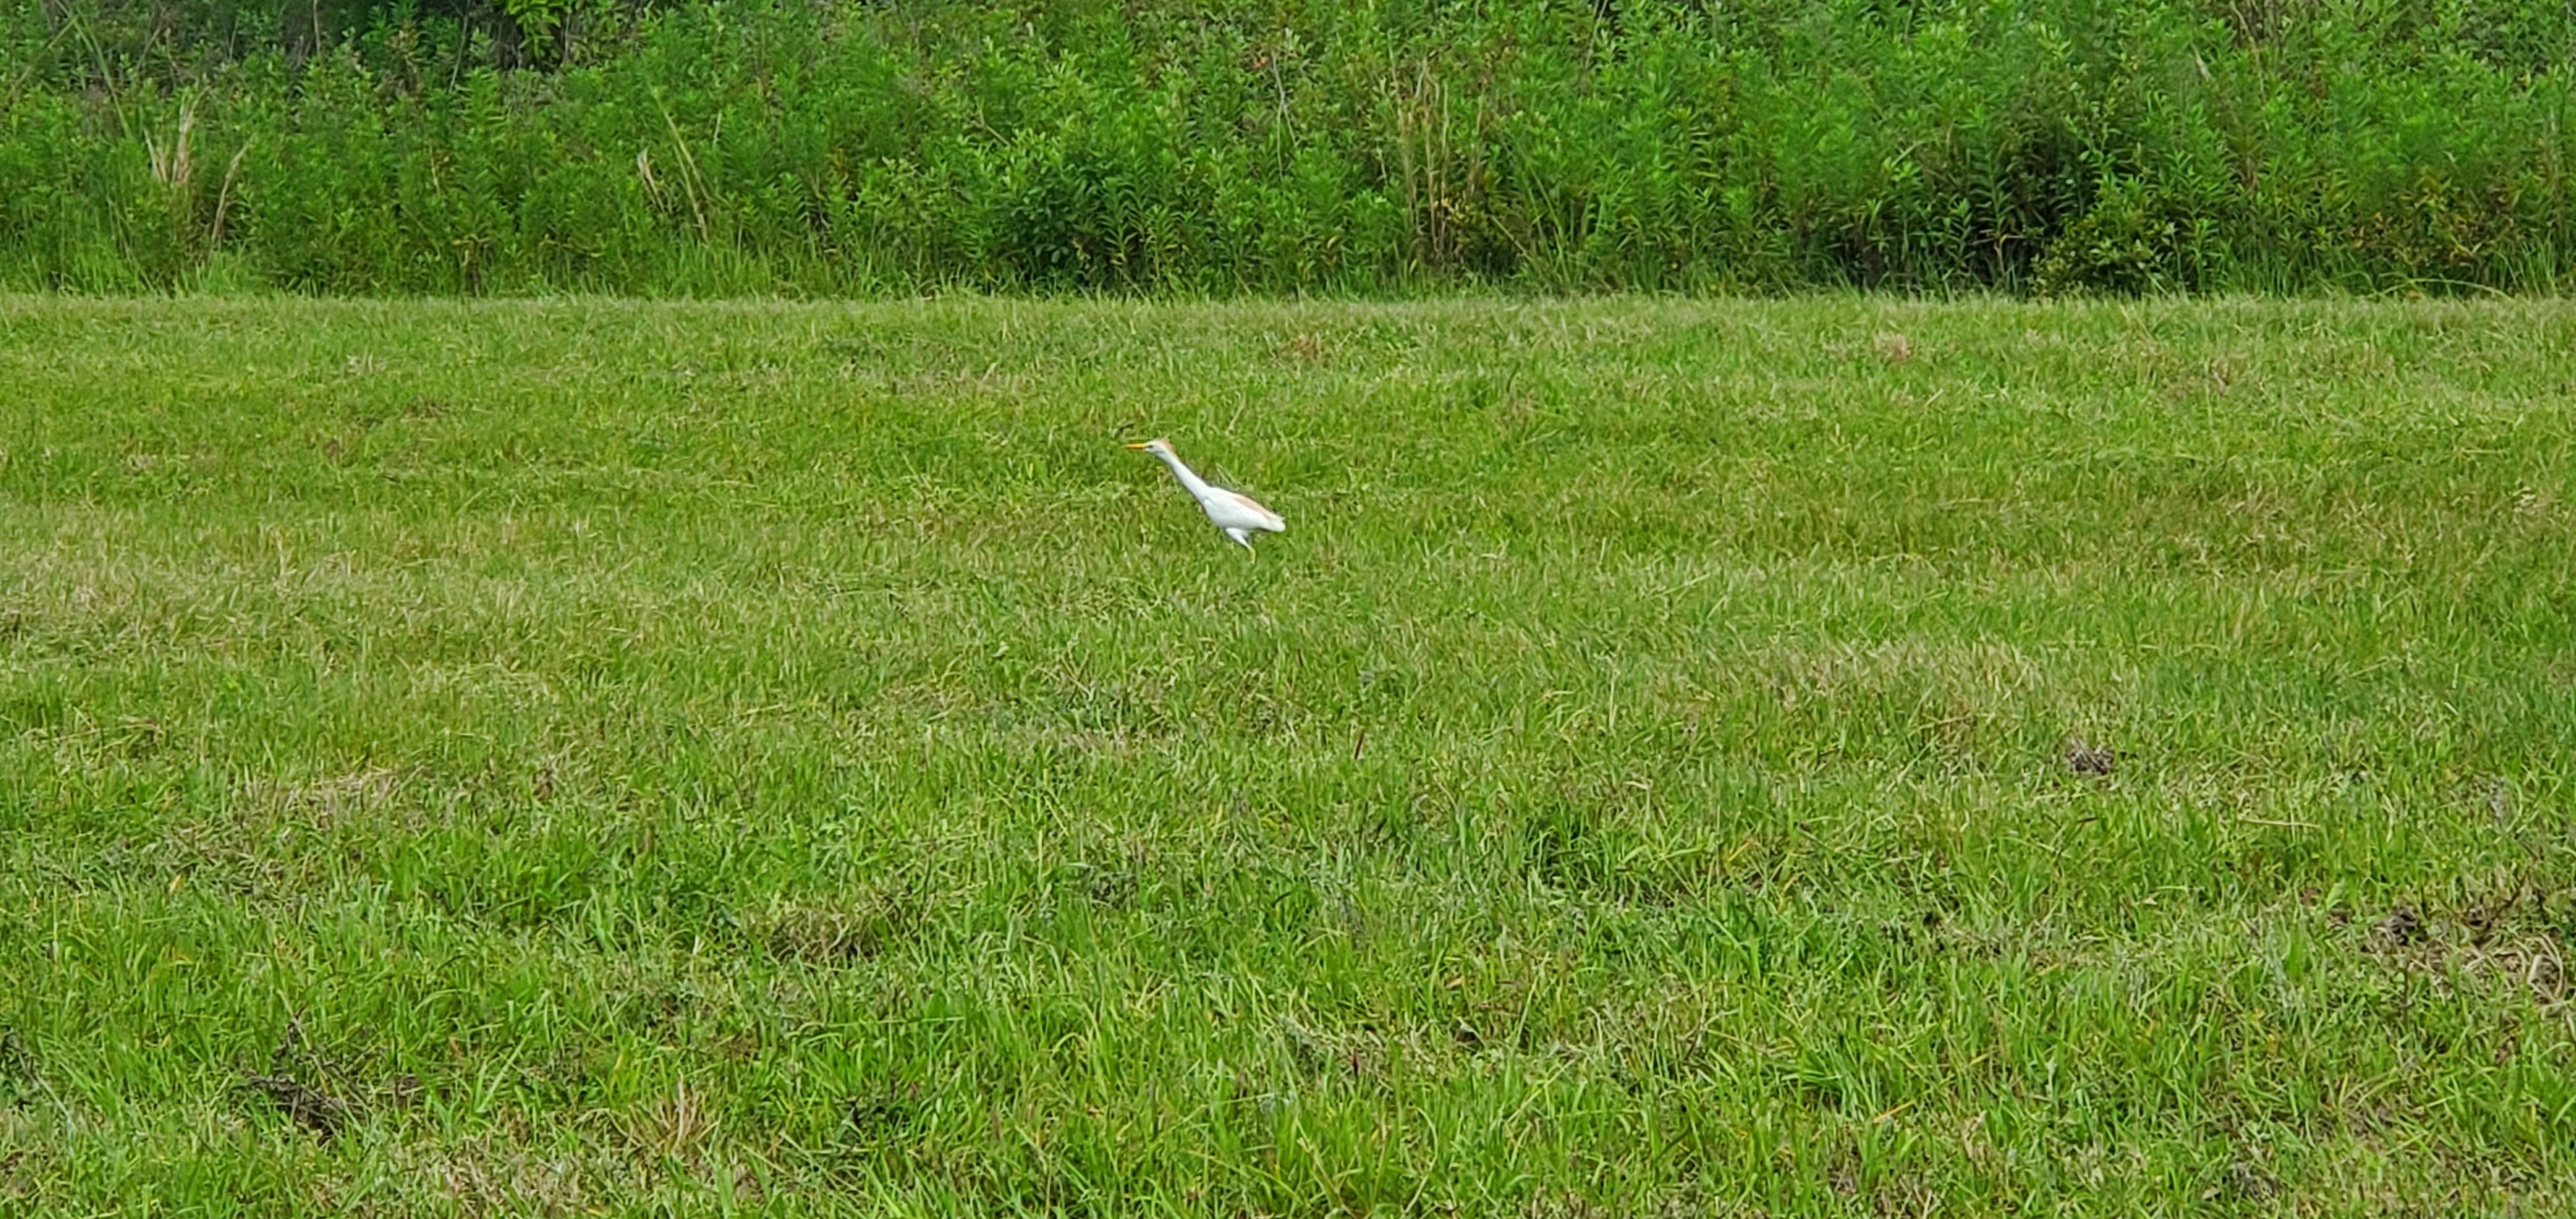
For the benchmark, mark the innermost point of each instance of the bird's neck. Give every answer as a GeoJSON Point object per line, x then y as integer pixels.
{"type": "Point", "coordinates": [1197, 485]}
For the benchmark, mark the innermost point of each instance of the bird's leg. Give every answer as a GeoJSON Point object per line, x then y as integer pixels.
{"type": "Point", "coordinates": [1241, 538]}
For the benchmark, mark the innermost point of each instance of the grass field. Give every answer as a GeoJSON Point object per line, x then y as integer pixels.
{"type": "Point", "coordinates": [563, 757]}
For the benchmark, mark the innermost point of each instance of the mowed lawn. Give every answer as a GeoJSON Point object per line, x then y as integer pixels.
{"type": "Point", "coordinates": [585, 756]}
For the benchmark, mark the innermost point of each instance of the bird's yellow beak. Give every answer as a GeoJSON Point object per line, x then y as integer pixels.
{"type": "Point", "coordinates": [1135, 446]}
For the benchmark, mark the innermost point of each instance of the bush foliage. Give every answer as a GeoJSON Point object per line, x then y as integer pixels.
{"type": "Point", "coordinates": [830, 146]}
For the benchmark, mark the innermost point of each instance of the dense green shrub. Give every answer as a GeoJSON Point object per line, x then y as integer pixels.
{"type": "Point", "coordinates": [1224, 145]}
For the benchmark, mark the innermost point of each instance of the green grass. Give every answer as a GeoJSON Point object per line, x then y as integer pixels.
{"type": "Point", "coordinates": [790, 758]}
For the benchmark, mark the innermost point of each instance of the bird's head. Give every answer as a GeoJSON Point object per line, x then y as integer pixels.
{"type": "Point", "coordinates": [1158, 446]}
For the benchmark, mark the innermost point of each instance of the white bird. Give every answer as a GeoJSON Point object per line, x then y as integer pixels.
{"type": "Point", "coordinates": [1238, 515]}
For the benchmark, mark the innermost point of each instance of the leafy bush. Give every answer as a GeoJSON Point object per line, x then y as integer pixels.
{"type": "Point", "coordinates": [518, 145]}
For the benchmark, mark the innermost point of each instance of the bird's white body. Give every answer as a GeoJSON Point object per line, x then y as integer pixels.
{"type": "Point", "coordinates": [1237, 514]}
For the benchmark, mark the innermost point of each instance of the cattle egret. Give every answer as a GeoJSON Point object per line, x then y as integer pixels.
{"type": "Point", "coordinates": [1237, 515]}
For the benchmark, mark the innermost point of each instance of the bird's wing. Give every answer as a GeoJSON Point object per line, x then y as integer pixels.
{"type": "Point", "coordinates": [1257, 510]}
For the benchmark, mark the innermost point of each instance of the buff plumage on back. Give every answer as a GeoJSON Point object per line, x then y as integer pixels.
{"type": "Point", "coordinates": [1276, 525]}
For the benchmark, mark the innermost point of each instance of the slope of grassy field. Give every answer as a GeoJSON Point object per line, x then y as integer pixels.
{"type": "Point", "coordinates": [583, 756]}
